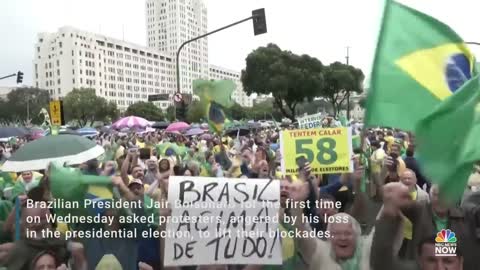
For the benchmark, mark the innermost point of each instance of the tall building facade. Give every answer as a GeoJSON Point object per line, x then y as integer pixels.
{"type": "Point", "coordinates": [119, 71]}
{"type": "Point", "coordinates": [239, 96]}
{"type": "Point", "coordinates": [172, 22]}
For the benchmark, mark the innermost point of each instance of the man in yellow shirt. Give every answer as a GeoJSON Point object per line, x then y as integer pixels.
{"type": "Point", "coordinates": [376, 161]}
{"type": "Point", "coordinates": [390, 140]}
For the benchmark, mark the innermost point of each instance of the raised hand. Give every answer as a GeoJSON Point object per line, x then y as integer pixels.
{"type": "Point", "coordinates": [298, 191]}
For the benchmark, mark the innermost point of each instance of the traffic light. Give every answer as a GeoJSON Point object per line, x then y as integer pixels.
{"type": "Point", "coordinates": [19, 77]}
{"type": "Point", "coordinates": [259, 22]}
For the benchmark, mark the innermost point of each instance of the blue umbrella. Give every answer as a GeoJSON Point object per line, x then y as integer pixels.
{"type": "Point", "coordinates": [86, 131]}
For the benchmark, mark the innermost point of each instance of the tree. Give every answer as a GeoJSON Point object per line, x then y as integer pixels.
{"type": "Point", "coordinates": [146, 110]}
{"type": "Point", "coordinates": [237, 112]}
{"type": "Point", "coordinates": [85, 107]}
{"type": "Point", "coordinates": [264, 110]}
{"type": "Point", "coordinates": [362, 102]}
{"type": "Point", "coordinates": [290, 78]}
{"type": "Point", "coordinates": [316, 106]}
{"type": "Point", "coordinates": [196, 112]}
{"type": "Point", "coordinates": [340, 81]}
{"type": "Point", "coordinates": [23, 103]}
{"type": "Point", "coordinates": [170, 114]}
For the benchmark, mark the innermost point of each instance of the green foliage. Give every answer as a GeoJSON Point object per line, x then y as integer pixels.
{"type": "Point", "coordinates": [237, 112]}
{"type": "Point", "coordinates": [146, 110]}
{"type": "Point", "coordinates": [263, 111]}
{"type": "Point", "coordinates": [290, 78]}
{"type": "Point", "coordinates": [340, 81]}
{"type": "Point", "coordinates": [316, 106]}
{"type": "Point", "coordinates": [21, 100]}
{"type": "Point", "coordinates": [170, 114]}
{"type": "Point", "coordinates": [196, 112]}
{"type": "Point", "coordinates": [181, 110]}
{"type": "Point", "coordinates": [85, 107]}
{"type": "Point", "coordinates": [362, 102]}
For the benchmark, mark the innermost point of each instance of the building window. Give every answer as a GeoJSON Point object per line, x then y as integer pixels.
{"type": "Point", "coordinates": [59, 91]}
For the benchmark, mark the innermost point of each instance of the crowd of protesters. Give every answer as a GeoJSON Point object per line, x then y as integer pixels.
{"type": "Point", "coordinates": [390, 225]}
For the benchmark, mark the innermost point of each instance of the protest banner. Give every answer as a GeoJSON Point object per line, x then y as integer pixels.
{"type": "Point", "coordinates": [328, 150]}
{"type": "Point", "coordinates": [222, 221]}
{"type": "Point", "coordinates": [310, 121]}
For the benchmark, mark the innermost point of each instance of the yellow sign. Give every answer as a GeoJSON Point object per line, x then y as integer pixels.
{"type": "Point", "coordinates": [56, 113]}
{"type": "Point", "coordinates": [328, 150]}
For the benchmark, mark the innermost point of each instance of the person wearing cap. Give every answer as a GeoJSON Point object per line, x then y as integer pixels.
{"type": "Point", "coordinates": [137, 188]}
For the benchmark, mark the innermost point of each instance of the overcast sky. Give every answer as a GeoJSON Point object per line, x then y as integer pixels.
{"type": "Point", "coordinates": [320, 28]}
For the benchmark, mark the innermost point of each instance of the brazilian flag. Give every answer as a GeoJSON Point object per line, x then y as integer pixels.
{"type": "Point", "coordinates": [448, 140]}
{"type": "Point", "coordinates": [214, 97]}
{"type": "Point", "coordinates": [419, 62]}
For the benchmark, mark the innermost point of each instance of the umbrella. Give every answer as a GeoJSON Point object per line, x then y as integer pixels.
{"type": "Point", "coordinates": [206, 136]}
{"type": "Point", "coordinates": [6, 132]}
{"type": "Point", "coordinates": [36, 155]}
{"type": "Point", "coordinates": [36, 133]}
{"type": "Point", "coordinates": [242, 131]}
{"type": "Point", "coordinates": [87, 131]}
{"type": "Point", "coordinates": [131, 122]}
{"type": "Point", "coordinates": [160, 125]}
{"type": "Point", "coordinates": [106, 129]}
{"type": "Point", "coordinates": [177, 126]}
{"type": "Point", "coordinates": [194, 131]}
{"type": "Point", "coordinates": [254, 125]}
{"type": "Point", "coordinates": [63, 131]}
{"type": "Point", "coordinates": [204, 126]}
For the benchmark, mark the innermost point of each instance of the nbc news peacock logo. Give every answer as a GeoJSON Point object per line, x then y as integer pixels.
{"type": "Point", "coordinates": [445, 243]}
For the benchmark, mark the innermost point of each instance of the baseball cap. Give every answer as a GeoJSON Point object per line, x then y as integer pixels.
{"type": "Point", "coordinates": [135, 181]}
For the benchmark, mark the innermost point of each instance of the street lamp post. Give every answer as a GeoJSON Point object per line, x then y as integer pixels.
{"type": "Point", "coordinates": [348, 93]}
{"type": "Point", "coordinates": [259, 27]}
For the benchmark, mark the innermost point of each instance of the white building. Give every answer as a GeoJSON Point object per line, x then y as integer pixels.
{"type": "Point", "coordinates": [119, 71]}
{"type": "Point", "coordinates": [172, 22]}
{"type": "Point", "coordinates": [239, 96]}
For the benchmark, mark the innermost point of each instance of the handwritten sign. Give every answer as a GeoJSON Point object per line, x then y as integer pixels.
{"type": "Point", "coordinates": [222, 221]}
{"type": "Point", "coordinates": [328, 150]}
{"type": "Point", "coordinates": [310, 121]}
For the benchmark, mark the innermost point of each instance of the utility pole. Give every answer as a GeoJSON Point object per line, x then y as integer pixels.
{"type": "Point", "coordinates": [259, 27]}
{"type": "Point", "coordinates": [347, 58]}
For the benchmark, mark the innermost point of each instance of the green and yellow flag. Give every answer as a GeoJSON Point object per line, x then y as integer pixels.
{"type": "Point", "coordinates": [419, 62]}
{"type": "Point", "coordinates": [448, 140]}
{"type": "Point", "coordinates": [214, 96]}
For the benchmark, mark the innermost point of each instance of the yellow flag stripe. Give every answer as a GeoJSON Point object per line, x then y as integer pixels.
{"type": "Point", "coordinates": [427, 67]}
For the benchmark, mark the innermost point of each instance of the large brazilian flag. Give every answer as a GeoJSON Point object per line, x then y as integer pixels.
{"type": "Point", "coordinates": [419, 63]}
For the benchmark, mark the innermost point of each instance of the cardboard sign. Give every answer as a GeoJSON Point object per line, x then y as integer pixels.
{"type": "Point", "coordinates": [222, 221]}
{"type": "Point", "coordinates": [310, 121]}
{"type": "Point", "coordinates": [328, 150]}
